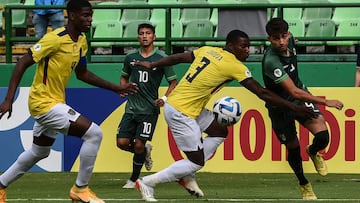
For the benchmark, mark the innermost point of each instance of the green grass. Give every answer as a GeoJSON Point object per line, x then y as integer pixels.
{"type": "Point", "coordinates": [218, 187]}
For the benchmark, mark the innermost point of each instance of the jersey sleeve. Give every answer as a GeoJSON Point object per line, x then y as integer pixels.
{"type": "Point", "coordinates": [241, 73]}
{"type": "Point", "coordinates": [274, 70]}
{"type": "Point", "coordinates": [170, 73]}
{"type": "Point", "coordinates": [125, 72]}
{"type": "Point", "coordinates": [45, 47]}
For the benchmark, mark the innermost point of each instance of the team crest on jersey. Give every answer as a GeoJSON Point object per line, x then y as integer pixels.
{"type": "Point", "coordinates": [277, 73]}
{"type": "Point", "coordinates": [37, 47]}
{"type": "Point", "coordinates": [248, 73]}
{"type": "Point", "coordinates": [71, 112]}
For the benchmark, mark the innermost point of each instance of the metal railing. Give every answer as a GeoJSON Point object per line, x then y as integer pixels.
{"type": "Point", "coordinates": [9, 39]}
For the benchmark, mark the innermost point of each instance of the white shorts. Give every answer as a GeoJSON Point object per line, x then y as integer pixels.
{"type": "Point", "coordinates": [187, 131]}
{"type": "Point", "coordinates": [57, 119]}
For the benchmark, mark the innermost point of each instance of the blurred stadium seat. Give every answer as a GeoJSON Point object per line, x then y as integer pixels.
{"type": "Point", "coordinates": [189, 14]}
{"type": "Point", "coordinates": [319, 28]}
{"type": "Point", "coordinates": [347, 28]}
{"type": "Point", "coordinates": [107, 29]}
{"type": "Point", "coordinates": [296, 27]}
{"type": "Point", "coordinates": [103, 15]}
{"type": "Point", "coordinates": [129, 15]}
{"type": "Point", "coordinates": [310, 14]}
{"type": "Point", "coordinates": [345, 13]}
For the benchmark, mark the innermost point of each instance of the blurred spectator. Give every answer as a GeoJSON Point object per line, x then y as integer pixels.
{"type": "Point", "coordinates": [43, 17]}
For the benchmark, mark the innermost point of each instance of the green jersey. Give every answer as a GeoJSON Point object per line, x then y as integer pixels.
{"type": "Point", "coordinates": [148, 81]}
{"type": "Point", "coordinates": [276, 68]}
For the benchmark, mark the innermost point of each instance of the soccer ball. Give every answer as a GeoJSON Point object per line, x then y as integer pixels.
{"type": "Point", "coordinates": [227, 111]}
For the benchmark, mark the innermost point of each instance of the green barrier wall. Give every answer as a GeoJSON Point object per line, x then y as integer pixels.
{"type": "Point", "coordinates": [313, 74]}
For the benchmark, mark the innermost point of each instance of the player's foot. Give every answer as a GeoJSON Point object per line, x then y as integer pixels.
{"type": "Point", "coordinates": [129, 185]}
{"type": "Point", "coordinates": [84, 195]}
{"type": "Point", "coordinates": [190, 184]}
{"type": "Point", "coordinates": [147, 192]}
{"type": "Point", "coordinates": [2, 195]}
{"type": "Point", "coordinates": [307, 192]}
{"type": "Point", "coordinates": [148, 160]}
{"type": "Point", "coordinates": [318, 161]}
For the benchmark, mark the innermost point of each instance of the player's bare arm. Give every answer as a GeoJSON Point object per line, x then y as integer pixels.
{"type": "Point", "coordinates": [300, 94]}
{"type": "Point", "coordinates": [19, 70]}
{"type": "Point", "coordinates": [123, 81]}
{"type": "Point", "coordinates": [161, 101]}
{"type": "Point", "coordinates": [276, 100]}
{"type": "Point", "coordinates": [174, 59]}
{"type": "Point", "coordinates": [87, 76]}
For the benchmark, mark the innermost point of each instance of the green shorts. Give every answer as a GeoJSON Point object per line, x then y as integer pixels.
{"type": "Point", "coordinates": [283, 122]}
{"type": "Point", "coordinates": [137, 126]}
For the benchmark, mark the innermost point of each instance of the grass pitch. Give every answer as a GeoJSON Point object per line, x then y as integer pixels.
{"type": "Point", "coordinates": [218, 187]}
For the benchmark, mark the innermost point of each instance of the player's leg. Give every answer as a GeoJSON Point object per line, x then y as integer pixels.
{"type": "Point", "coordinates": [187, 135]}
{"type": "Point", "coordinates": [284, 126]}
{"type": "Point", "coordinates": [40, 149]}
{"type": "Point", "coordinates": [72, 123]}
{"type": "Point", "coordinates": [125, 141]}
{"type": "Point", "coordinates": [44, 132]}
{"type": "Point", "coordinates": [216, 134]}
{"type": "Point", "coordinates": [318, 128]}
{"type": "Point", "coordinates": [321, 139]}
{"type": "Point", "coordinates": [144, 133]}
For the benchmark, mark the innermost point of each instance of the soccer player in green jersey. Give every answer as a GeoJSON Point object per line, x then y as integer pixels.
{"type": "Point", "coordinates": [142, 109]}
{"type": "Point", "coordinates": [57, 55]}
{"type": "Point", "coordinates": [211, 68]}
{"type": "Point", "coordinates": [280, 75]}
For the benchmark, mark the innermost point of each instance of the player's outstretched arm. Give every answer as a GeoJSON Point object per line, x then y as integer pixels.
{"type": "Point", "coordinates": [87, 76]}
{"type": "Point", "coordinates": [276, 100]}
{"type": "Point", "coordinates": [303, 95]}
{"type": "Point", "coordinates": [19, 70]}
{"type": "Point", "coordinates": [186, 57]}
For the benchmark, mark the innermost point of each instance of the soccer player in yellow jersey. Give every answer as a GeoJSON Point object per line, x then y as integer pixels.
{"type": "Point", "coordinates": [57, 55]}
{"type": "Point", "coordinates": [211, 69]}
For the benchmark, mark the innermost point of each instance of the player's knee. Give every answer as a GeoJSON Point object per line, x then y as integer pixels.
{"type": "Point", "coordinates": [322, 139]}
{"type": "Point", "coordinates": [139, 147]}
{"type": "Point", "coordinates": [94, 134]}
{"type": "Point", "coordinates": [122, 144]}
{"type": "Point", "coordinates": [196, 167]}
{"type": "Point", "coordinates": [40, 152]}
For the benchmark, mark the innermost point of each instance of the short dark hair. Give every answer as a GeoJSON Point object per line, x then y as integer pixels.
{"type": "Point", "coordinates": [234, 35]}
{"type": "Point", "coordinates": [276, 26]}
{"type": "Point", "coordinates": [146, 25]}
{"type": "Point", "coordinates": [76, 5]}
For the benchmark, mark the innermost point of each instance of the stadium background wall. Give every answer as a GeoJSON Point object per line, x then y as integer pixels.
{"type": "Point", "coordinates": [250, 143]}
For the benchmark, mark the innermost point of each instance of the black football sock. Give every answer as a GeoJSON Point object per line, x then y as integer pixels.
{"type": "Point", "coordinates": [138, 162]}
{"type": "Point", "coordinates": [295, 162]}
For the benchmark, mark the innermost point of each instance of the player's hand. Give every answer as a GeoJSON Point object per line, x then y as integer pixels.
{"type": "Point", "coordinates": [305, 112]}
{"type": "Point", "coordinates": [159, 102]}
{"type": "Point", "coordinates": [6, 107]}
{"type": "Point", "coordinates": [128, 88]}
{"type": "Point", "coordinates": [145, 64]}
{"type": "Point", "coordinates": [335, 104]}
{"type": "Point", "coordinates": [123, 95]}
